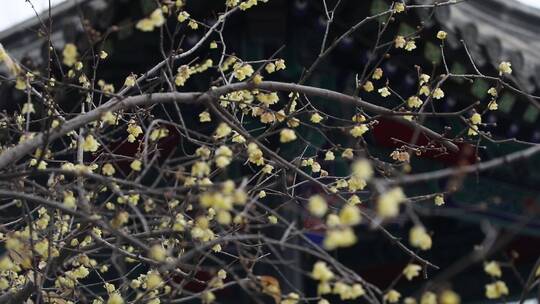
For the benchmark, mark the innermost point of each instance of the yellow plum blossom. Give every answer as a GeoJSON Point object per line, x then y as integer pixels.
{"type": "Point", "coordinates": [336, 238]}
{"type": "Point", "coordinates": [428, 298]}
{"type": "Point", "coordinates": [400, 42]}
{"type": "Point", "coordinates": [419, 238]}
{"type": "Point", "coordinates": [414, 102]}
{"type": "Point", "coordinates": [476, 119]}
{"type": "Point", "coordinates": [493, 269]}
{"type": "Point", "coordinates": [222, 130]}
{"type": "Point", "coordinates": [392, 296]}
{"type": "Point", "coordinates": [130, 81]}
{"type": "Point", "coordinates": [158, 253]}
{"type": "Point", "coordinates": [108, 169]}
{"type": "Point", "coordinates": [496, 290]}
{"type": "Point", "coordinates": [359, 130]}
{"type": "Point", "coordinates": [411, 271]}
{"type": "Point", "coordinates": [377, 74]}
{"type": "Point", "coordinates": [441, 35]}
{"type": "Point", "coordinates": [505, 67]}
{"type": "Point", "coordinates": [90, 144]}
{"type": "Point", "coordinates": [329, 155]}
{"type": "Point", "coordinates": [316, 118]}
{"type": "Point", "coordinates": [317, 205]}
{"type": "Point", "coordinates": [385, 92]}
{"type": "Point", "coordinates": [136, 165]}
{"type": "Point", "coordinates": [368, 86]}
{"type": "Point", "coordinates": [183, 16]}
{"type": "Point", "coordinates": [350, 215]}
{"type": "Point", "coordinates": [70, 54]}
{"type": "Point", "coordinates": [411, 45]}
{"type": "Point", "coordinates": [321, 272]}
{"type": "Point", "coordinates": [389, 201]}
{"type": "Point", "coordinates": [287, 135]}
{"type": "Point", "coordinates": [449, 297]}
{"type": "Point", "coordinates": [28, 108]}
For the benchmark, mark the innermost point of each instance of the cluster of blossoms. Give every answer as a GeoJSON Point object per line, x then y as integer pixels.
{"type": "Point", "coordinates": [322, 273]}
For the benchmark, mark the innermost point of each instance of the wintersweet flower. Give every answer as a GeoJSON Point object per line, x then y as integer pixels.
{"type": "Point", "coordinates": [439, 200]}
{"type": "Point", "coordinates": [411, 45]}
{"type": "Point", "coordinates": [329, 156]}
{"type": "Point", "coordinates": [287, 135]}
{"type": "Point", "coordinates": [70, 54]}
{"type": "Point", "coordinates": [377, 74]}
{"type": "Point", "coordinates": [492, 105]}
{"type": "Point", "coordinates": [223, 156]}
{"type": "Point", "coordinates": [493, 269]}
{"type": "Point", "coordinates": [110, 118]}
{"type": "Point", "coordinates": [204, 117]}
{"type": "Point", "coordinates": [222, 130]}
{"type": "Point", "coordinates": [388, 202]}
{"type": "Point", "coordinates": [182, 16]}
{"type": "Point", "coordinates": [441, 35]}
{"type": "Point", "coordinates": [496, 290]}
{"type": "Point", "coordinates": [130, 81]}
{"type": "Point", "coordinates": [317, 205]}
{"type": "Point", "coordinates": [321, 272]}
{"type": "Point", "coordinates": [336, 238]}
{"type": "Point", "coordinates": [392, 296]}
{"type": "Point", "coordinates": [449, 297]}
{"type": "Point", "coordinates": [362, 169]}
{"type": "Point", "coordinates": [359, 130]}
{"type": "Point", "coordinates": [400, 42]}
{"type": "Point", "coordinates": [414, 102]}
{"type": "Point", "coordinates": [424, 78]}
{"type": "Point", "coordinates": [28, 107]}
{"type": "Point", "coordinates": [411, 271]}
{"type": "Point", "coordinates": [424, 90]}
{"type": "Point", "coordinates": [242, 71]}
{"type": "Point", "coordinates": [255, 155]}
{"type": "Point", "coordinates": [193, 24]}
{"type": "Point", "coordinates": [368, 86]}
{"type": "Point", "coordinates": [347, 153]}
{"type": "Point", "coordinates": [473, 131]}
{"type": "Point", "coordinates": [399, 7]}
{"type": "Point", "coordinates": [108, 169]}
{"type": "Point", "coordinates": [350, 215]}
{"type": "Point", "coordinates": [476, 119]}
{"type": "Point", "coordinates": [280, 64]}
{"type": "Point", "coordinates": [158, 253]}
{"type": "Point", "coordinates": [134, 131]}
{"type": "Point", "coordinates": [316, 118]}
{"type": "Point", "coordinates": [419, 238]}
{"type": "Point", "coordinates": [505, 67]}
{"type": "Point", "coordinates": [153, 280]}
{"type": "Point", "coordinates": [156, 19]}
{"type": "Point", "coordinates": [428, 298]}
{"type": "Point", "coordinates": [385, 92]}
{"type": "Point", "coordinates": [90, 144]}
{"type": "Point", "coordinates": [438, 93]}
{"type": "Point", "coordinates": [136, 165]}
{"type": "Point", "coordinates": [270, 67]}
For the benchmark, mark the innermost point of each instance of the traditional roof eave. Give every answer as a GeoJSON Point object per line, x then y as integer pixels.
{"type": "Point", "coordinates": [504, 29]}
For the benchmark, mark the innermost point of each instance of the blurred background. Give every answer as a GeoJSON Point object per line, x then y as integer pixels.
{"type": "Point", "coordinates": [505, 201]}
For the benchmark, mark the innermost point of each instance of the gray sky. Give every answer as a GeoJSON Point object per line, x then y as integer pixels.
{"type": "Point", "coordinates": [535, 3]}
{"type": "Point", "coordinates": [15, 11]}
